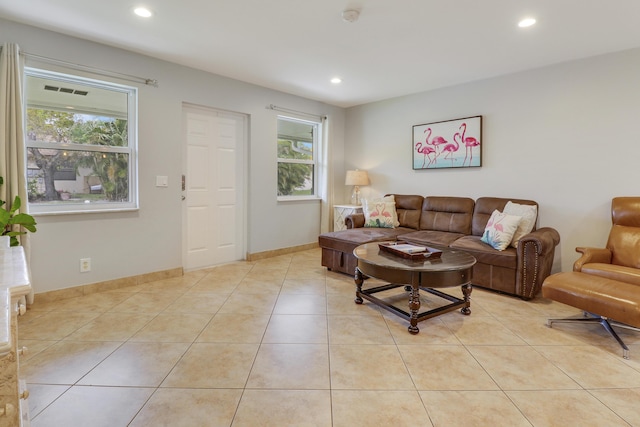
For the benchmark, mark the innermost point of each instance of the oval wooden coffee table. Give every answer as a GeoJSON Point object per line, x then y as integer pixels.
{"type": "Point", "coordinates": [452, 268]}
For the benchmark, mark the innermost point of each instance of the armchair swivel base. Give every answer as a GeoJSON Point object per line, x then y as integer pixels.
{"type": "Point", "coordinates": [606, 324]}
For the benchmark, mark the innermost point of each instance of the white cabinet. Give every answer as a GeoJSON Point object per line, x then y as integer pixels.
{"type": "Point", "coordinates": [340, 212]}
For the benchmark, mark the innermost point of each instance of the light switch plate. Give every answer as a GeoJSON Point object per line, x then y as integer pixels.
{"type": "Point", "coordinates": [162, 181]}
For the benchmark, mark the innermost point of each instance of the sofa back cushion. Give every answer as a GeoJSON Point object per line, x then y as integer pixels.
{"type": "Point", "coordinates": [450, 214]}
{"type": "Point", "coordinates": [408, 209]}
{"type": "Point", "coordinates": [485, 207]}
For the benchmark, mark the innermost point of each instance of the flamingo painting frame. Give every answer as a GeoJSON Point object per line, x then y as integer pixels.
{"type": "Point", "coordinates": [448, 144]}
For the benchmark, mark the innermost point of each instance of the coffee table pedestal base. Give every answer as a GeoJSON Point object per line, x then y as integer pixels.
{"type": "Point", "coordinates": [413, 315]}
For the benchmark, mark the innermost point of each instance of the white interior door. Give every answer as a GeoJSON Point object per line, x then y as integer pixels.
{"type": "Point", "coordinates": [213, 191]}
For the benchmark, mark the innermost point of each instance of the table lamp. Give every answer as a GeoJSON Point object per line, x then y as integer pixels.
{"type": "Point", "coordinates": [356, 178]}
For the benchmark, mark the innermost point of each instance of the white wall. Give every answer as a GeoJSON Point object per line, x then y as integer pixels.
{"type": "Point", "coordinates": [566, 136]}
{"type": "Point", "coordinates": [128, 244]}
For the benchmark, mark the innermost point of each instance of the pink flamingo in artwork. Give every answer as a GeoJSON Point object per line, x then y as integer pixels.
{"type": "Point", "coordinates": [452, 148]}
{"type": "Point", "coordinates": [437, 142]}
{"type": "Point", "coordinates": [469, 143]}
{"type": "Point", "coordinates": [425, 150]}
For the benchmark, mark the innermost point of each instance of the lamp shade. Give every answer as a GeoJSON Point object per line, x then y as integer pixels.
{"type": "Point", "coordinates": [357, 177]}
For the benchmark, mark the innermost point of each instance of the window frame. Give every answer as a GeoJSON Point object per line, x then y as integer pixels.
{"type": "Point", "coordinates": [315, 162]}
{"type": "Point", "coordinates": [131, 149]}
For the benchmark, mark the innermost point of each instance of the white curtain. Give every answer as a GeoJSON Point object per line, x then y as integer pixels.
{"type": "Point", "coordinates": [12, 152]}
{"type": "Point", "coordinates": [326, 181]}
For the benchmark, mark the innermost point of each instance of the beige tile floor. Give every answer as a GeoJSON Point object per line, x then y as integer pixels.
{"type": "Point", "coordinates": [280, 342]}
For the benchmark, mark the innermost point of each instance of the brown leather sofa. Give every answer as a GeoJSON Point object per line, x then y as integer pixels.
{"type": "Point", "coordinates": [605, 282]}
{"type": "Point", "coordinates": [456, 222]}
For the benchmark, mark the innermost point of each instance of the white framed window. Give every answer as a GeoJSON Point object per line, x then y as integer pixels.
{"type": "Point", "coordinates": [298, 148]}
{"type": "Point", "coordinates": [81, 143]}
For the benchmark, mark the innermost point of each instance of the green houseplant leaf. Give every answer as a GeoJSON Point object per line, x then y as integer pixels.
{"type": "Point", "coordinates": [9, 219]}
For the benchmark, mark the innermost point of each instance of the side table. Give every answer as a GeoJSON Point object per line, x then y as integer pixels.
{"type": "Point", "coordinates": [340, 212]}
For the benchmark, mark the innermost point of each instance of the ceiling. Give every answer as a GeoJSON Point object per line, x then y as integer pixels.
{"type": "Point", "coordinates": [395, 48]}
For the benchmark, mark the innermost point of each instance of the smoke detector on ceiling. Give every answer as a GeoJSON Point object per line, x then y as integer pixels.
{"type": "Point", "coordinates": [350, 15]}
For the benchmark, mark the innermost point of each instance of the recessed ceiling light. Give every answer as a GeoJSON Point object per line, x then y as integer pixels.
{"type": "Point", "coordinates": [142, 11]}
{"type": "Point", "coordinates": [350, 15]}
{"type": "Point", "coordinates": [526, 22]}
{"type": "Point", "coordinates": [336, 80]}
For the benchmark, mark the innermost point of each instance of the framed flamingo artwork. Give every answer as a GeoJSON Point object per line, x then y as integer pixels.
{"type": "Point", "coordinates": [448, 144]}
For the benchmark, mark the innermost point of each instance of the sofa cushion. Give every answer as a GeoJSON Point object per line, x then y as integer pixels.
{"type": "Point", "coordinates": [347, 240]}
{"type": "Point", "coordinates": [430, 237]}
{"type": "Point", "coordinates": [449, 214]}
{"type": "Point", "coordinates": [484, 208]}
{"type": "Point", "coordinates": [500, 230]}
{"type": "Point", "coordinates": [486, 254]}
{"type": "Point", "coordinates": [408, 209]}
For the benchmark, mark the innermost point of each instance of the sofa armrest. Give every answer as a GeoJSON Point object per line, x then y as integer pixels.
{"type": "Point", "coordinates": [535, 260]}
{"type": "Point", "coordinates": [355, 220]}
{"type": "Point", "coordinates": [590, 255]}
{"type": "Point", "coordinates": [544, 239]}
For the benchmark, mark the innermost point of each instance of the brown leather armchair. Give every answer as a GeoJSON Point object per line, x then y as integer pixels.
{"type": "Point", "coordinates": [605, 282]}
{"type": "Point", "coordinates": [620, 260]}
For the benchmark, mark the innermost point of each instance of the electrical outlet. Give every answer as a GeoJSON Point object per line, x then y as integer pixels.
{"type": "Point", "coordinates": [85, 265]}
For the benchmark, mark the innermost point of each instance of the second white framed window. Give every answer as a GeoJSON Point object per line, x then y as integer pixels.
{"type": "Point", "coordinates": [298, 148]}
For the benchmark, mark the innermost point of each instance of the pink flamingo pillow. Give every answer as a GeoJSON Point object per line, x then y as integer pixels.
{"type": "Point", "coordinates": [380, 213]}
{"type": "Point", "coordinates": [500, 230]}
